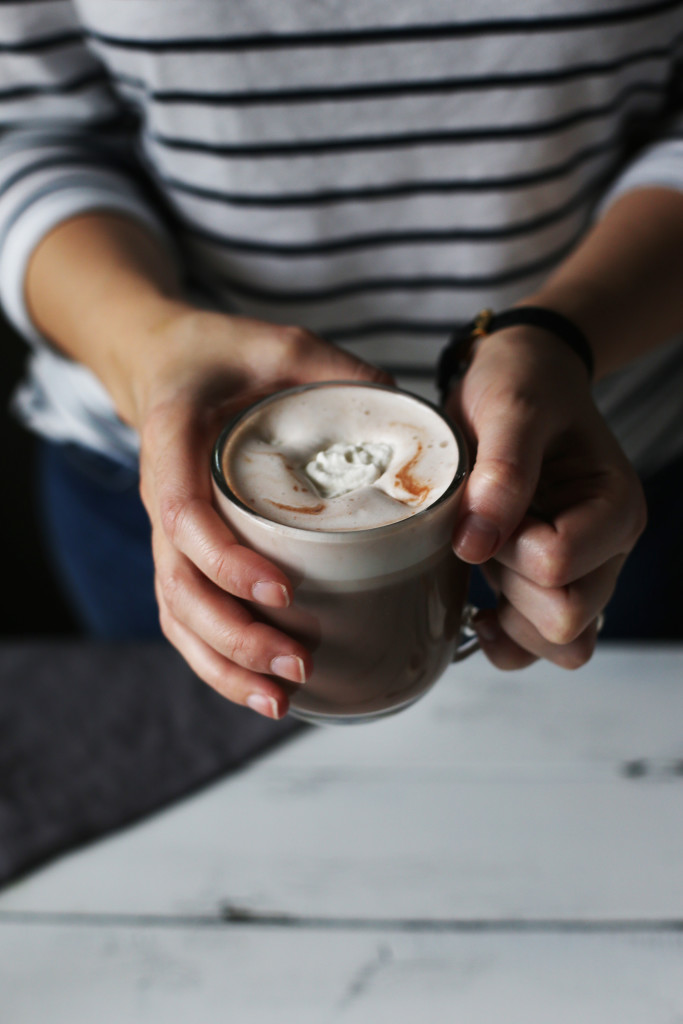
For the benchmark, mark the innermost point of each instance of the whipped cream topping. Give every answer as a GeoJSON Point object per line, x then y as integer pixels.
{"type": "Point", "coordinates": [343, 468]}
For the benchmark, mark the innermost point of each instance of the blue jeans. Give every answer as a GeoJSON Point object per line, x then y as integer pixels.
{"type": "Point", "coordinates": [98, 535]}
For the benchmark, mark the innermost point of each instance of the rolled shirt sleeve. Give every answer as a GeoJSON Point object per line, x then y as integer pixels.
{"type": "Point", "coordinates": [660, 163]}
{"type": "Point", "coordinates": [64, 150]}
{"type": "Point", "coordinates": [651, 441]}
{"type": "Point", "coordinates": [658, 166]}
{"type": "Point", "coordinates": [39, 198]}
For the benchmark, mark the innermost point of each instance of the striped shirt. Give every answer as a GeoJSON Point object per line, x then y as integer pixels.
{"type": "Point", "coordinates": [374, 171]}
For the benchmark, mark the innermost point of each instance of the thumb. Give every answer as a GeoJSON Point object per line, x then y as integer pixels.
{"type": "Point", "coordinates": [502, 483]}
{"type": "Point", "coordinates": [325, 361]}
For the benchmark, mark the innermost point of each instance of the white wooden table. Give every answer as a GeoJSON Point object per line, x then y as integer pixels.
{"type": "Point", "coordinates": [509, 850]}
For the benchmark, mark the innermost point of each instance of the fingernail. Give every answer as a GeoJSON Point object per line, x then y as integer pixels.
{"type": "Point", "coordinates": [270, 593]}
{"type": "Point", "coordinates": [264, 705]}
{"type": "Point", "coordinates": [487, 627]}
{"type": "Point", "coordinates": [288, 666]}
{"type": "Point", "coordinates": [476, 540]}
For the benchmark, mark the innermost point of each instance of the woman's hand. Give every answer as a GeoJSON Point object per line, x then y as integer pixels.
{"type": "Point", "coordinates": [209, 587]}
{"type": "Point", "coordinates": [552, 506]}
{"type": "Point", "coordinates": [108, 293]}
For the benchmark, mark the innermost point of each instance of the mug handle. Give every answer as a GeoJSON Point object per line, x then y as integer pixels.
{"type": "Point", "coordinates": [469, 641]}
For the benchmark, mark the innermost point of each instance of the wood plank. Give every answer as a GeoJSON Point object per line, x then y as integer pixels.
{"type": "Point", "coordinates": [391, 848]}
{"type": "Point", "coordinates": [627, 703]}
{"type": "Point", "coordinates": [77, 974]}
{"type": "Point", "coordinates": [541, 795]}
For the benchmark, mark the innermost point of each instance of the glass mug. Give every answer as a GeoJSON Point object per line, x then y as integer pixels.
{"type": "Point", "coordinates": [381, 608]}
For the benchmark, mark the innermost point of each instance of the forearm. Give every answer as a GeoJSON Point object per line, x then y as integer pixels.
{"type": "Point", "coordinates": [624, 284]}
{"type": "Point", "coordinates": [100, 286]}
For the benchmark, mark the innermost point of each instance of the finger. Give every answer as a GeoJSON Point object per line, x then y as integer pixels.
{"type": "Point", "coordinates": [501, 651]}
{"type": "Point", "coordinates": [177, 494]}
{"type": "Point", "coordinates": [503, 479]}
{"type": "Point", "coordinates": [293, 355]}
{"type": "Point", "coordinates": [195, 529]}
{"type": "Point", "coordinates": [559, 614]}
{"type": "Point", "coordinates": [604, 520]}
{"type": "Point", "coordinates": [515, 628]}
{"type": "Point", "coordinates": [316, 359]}
{"type": "Point", "coordinates": [340, 365]}
{"type": "Point", "coordinates": [227, 626]}
{"type": "Point", "coordinates": [233, 682]}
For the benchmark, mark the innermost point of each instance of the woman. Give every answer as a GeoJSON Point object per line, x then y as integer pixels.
{"type": "Point", "coordinates": [179, 190]}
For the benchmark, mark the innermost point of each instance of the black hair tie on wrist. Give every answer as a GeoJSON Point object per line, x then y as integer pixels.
{"type": "Point", "coordinates": [455, 359]}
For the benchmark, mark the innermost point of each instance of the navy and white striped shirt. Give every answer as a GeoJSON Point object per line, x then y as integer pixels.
{"type": "Point", "coordinates": [374, 171]}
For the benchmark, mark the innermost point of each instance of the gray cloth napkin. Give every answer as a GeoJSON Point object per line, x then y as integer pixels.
{"type": "Point", "coordinates": [94, 736]}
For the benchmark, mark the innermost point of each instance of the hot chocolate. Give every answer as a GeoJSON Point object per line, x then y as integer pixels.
{"type": "Point", "coordinates": [340, 458]}
{"type": "Point", "coordinates": [353, 490]}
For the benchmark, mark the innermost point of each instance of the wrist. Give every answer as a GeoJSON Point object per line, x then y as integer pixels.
{"type": "Point", "coordinates": [138, 351]}
{"type": "Point", "coordinates": [526, 353]}
{"type": "Point", "coordinates": [551, 327]}
{"type": "Point", "coordinates": [101, 287]}
{"type": "Point", "coordinates": [588, 307]}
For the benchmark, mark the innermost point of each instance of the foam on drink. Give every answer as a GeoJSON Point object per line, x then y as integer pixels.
{"type": "Point", "coordinates": [340, 457]}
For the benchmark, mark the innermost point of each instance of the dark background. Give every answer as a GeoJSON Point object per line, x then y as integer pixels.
{"type": "Point", "coordinates": [32, 603]}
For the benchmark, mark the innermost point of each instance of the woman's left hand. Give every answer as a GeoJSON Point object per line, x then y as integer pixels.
{"type": "Point", "coordinates": [552, 506]}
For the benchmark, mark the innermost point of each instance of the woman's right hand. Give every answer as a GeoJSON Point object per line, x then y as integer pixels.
{"type": "Point", "coordinates": [195, 370]}
{"type": "Point", "coordinates": [107, 292]}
